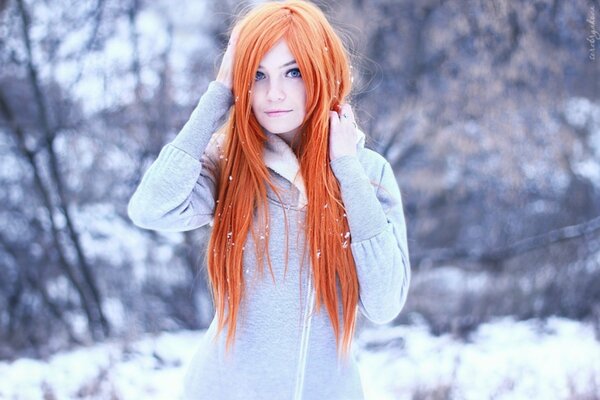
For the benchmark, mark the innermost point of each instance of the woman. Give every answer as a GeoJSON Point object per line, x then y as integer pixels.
{"type": "Point", "coordinates": [287, 177]}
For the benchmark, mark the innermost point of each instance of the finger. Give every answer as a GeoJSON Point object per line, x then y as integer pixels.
{"type": "Point", "coordinates": [347, 117]}
{"type": "Point", "coordinates": [334, 119]}
{"type": "Point", "coordinates": [235, 34]}
{"type": "Point", "coordinates": [347, 110]}
{"type": "Point", "coordinates": [336, 107]}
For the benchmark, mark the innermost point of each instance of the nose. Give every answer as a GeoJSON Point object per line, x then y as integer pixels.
{"type": "Point", "coordinates": [275, 91]}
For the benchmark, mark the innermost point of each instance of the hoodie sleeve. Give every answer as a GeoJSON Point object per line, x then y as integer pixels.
{"type": "Point", "coordinates": [378, 238]}
{"type": "Point", "coordinates": [177, 192]}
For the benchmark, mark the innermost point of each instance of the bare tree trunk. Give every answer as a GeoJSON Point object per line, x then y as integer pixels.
{"type": "Point", "coordinates": [38, 286]}
{"type": "Point", "coordinates": [84, 295]}
{"type": "Point", "coordinates": [89, 280]}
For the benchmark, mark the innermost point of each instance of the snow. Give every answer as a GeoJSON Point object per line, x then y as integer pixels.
{"type": "Point", "coordinates": [148, 368]}
{"type": "Point", "coordinates": [585, 114]}
{"type": "Point", "coordinates": [504, 359]}
{"type": "Point", "coordinates": [588, 168]}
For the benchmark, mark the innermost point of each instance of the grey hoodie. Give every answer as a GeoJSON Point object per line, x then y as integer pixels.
{"type": "Point", "coordinates": [283, 348]}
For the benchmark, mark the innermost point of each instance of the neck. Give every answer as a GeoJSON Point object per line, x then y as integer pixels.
{"type": "Point", "coordinates": [290, 138]}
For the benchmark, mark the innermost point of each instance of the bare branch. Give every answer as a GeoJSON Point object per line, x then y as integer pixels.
{"type": "Point", "coordinates": [50, 135]}
{"type": "Point", "coordinates": [501, 255]}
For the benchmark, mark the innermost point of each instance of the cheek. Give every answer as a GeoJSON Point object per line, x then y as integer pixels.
{"type": "Point", "coordinates": [302, 99]}
{"type": "Point", "coordinates": [299, 89]}
{"type": "Point", "coordinates": [256, 105]}
{"type": "Point", "coordinates": [253, 99]}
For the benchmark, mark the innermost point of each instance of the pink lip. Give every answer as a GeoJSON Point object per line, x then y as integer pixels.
{"type": "Point", "coordinates": [277, 113]}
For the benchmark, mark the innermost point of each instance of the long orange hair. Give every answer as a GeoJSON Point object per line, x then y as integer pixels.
{"type": "Point", "coordinates": [323, 62]}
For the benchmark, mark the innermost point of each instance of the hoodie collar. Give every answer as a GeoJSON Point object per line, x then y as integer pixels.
{"type": "Point", "coordinates": [280, 157]}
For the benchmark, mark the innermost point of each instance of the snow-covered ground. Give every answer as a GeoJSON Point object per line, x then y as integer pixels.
{"type": "Point", "coordinates": [557, 359]}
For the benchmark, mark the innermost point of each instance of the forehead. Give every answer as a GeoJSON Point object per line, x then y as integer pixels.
{"type": "Point", "coordinates": [277, 55]}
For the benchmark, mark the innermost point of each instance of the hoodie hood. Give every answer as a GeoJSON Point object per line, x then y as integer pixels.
{"type": "Point", "coordinates": [280, 158]}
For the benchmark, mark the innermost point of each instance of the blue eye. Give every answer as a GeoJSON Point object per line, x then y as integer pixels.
{"type": "Point", "coordinates": [258, 76]}
{"type": "Point", "coordinates": [296, 72]}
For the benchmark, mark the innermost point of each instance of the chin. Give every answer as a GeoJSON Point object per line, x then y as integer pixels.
{"type": "Point", "coordinates": [278, 129]}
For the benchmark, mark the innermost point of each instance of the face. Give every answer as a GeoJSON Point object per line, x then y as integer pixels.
{"type": "Point", "coordinates": [279, 96]}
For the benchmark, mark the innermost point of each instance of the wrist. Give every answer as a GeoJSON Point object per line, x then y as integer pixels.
{"type": "Point", "coordinates": [338, 157]}
{"type": "Point", "coordinates": [224, 81]}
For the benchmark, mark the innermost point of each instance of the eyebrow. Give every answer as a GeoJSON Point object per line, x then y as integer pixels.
{"type": "Point", "coordinates": [284, 65]}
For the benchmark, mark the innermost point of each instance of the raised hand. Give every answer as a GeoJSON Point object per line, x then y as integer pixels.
{"type": "Point", "coordinates": [343, 133]}
{"type": "Point", "coordinates": [225, 75]}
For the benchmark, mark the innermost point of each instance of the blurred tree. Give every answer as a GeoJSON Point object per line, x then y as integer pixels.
{"type": "Point", "coordinates": [488, 112]}
{"type": "Point", "coordinates": [35, 143]}
{"type": "Point", "coordinates": [468, 107]}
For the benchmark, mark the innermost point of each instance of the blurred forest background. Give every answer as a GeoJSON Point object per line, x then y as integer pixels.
{"type": "Point", "coordinates": [488, 111]}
